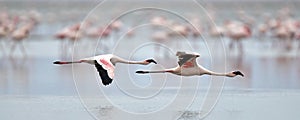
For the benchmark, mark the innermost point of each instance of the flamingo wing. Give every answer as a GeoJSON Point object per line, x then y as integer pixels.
{"type": "Point", "coordinates": [186, 60]}
{"type": "Point", "coordinates": [106, 70]}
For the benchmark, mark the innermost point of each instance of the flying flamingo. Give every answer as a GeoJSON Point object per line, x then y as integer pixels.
{"type": "Point", "coordinates": [105, 65]}
{"type": "Point", "coordinates": [187, 66]}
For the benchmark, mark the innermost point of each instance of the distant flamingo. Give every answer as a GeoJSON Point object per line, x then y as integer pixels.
{"type": "Point", "coordinates": [68, 36]}
{"type": "Point", "coordinates": [116, 25]}
{"type": "Point", "coordinates": [105, 65]}
{"type": "Point", "coordinates": [179, 30]}
{"type": "Point", "coordinates": [160, 37]}
{"type": "Point", "coordinates": [247, 19]}
{"type": "Point", "coordinates": [284, 34]}
{"type": "Point", "coordinates": [3, 34]}
{"type": "Point", "coordinates": [19, 35]}
{"type": "Point", "coordinates": [262, 30]}
{"type": "Point", "coordinates": [7, 26]}
{"type": "Point", "coordinates": [97, 32]}
{"type": "Point", "coordinates": [236, 32]}
{"type": "Point", "coordinates": [216, 31]}
{"type": "Point", "coordinates": [196, 28]}
{"type": "Point", "coordinates": [273, 23]}
{"type": "Point", "coordinates": [187, 66]}
{"type": "Point", "coordinates": [158, 21]}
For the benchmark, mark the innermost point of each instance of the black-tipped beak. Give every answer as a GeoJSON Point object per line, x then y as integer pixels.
{"type": "Point", "coordinates": [141, 72]}
{"type": "Point", "coordinates": [151, 61]}
{"type": "Point", "coordinates": [238, 73]}
{"type": "Point", "coordinates": [56, 62]}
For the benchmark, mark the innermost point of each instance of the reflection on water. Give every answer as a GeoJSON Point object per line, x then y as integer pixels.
{"type": "Point", "coordinates": [32, 76]}
{"type": "Point", "coordinates": [268, 73]}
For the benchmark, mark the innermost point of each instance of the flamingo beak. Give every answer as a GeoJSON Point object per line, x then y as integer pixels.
{"type": "Point", "coordinates": [56, 62]}
{"type": "Point", "coordinates": [151, 61]}
{"type": "Point", "coordinates": [141, 72]}
{"type": "Point", "coordinates": [60, 62]}
{"type": "Point", "coordinates": [238, 73]}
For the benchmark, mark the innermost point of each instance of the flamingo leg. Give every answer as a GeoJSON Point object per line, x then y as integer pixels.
{"type": "Point", "coordinates": [12, 49]}
{"type": "Point", "coordinates": [72, 49]}
{"type": "Point", "coordinates": [156, 50]}
{"type": "Point", "coordinates": [22, 47]}
{"type": "Point", "coordinates": [299, 44]}
{"type": "Point", "coordinates": [288, 44]}
{"type": "Point", "coordinates": [64, 51]}
{"type": "Point", "coordinates": [231, 45]}
{"type": "Point", "coordinates": [2, 49]}
{"type": "Point", "coordinates": [241, 49]}
{"type": "Point", "coordinates": [69, 49]}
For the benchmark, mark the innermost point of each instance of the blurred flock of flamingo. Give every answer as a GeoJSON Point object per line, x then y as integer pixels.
{"type": "Point", "coordinates": [282, 28]}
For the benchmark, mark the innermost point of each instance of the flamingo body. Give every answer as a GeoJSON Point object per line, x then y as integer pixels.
{"type": "Point", "coordinates": [187, 66]}
{"type": "Point", "coordinates": [105, 65]}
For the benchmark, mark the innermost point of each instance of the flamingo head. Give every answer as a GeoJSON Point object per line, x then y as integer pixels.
{"type": "Point", "coordinates": [148, 61]}
{"type": "Point", "coordinates": [197, 54]}
{"type": "Point", "coordinates": [235, 73]}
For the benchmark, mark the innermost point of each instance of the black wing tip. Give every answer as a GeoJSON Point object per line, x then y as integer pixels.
{"type": "Point", "coordinates": [238, 73]}
{"type": "Point", "coordinates": [107, 82]}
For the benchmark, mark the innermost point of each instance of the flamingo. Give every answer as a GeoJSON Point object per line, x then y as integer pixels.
{"type": "Point", "coordinates": [286, 32]}
{"type": "Point", "coordinates": [18, 36]}
{"type": "Point", "coordinates": [7, 26]}
{"type": "Point", "coordinates": [116, 25]}
{"type": "Point", "coordinates": [160, 37]}
{"type": "Point", "coordinates": [158, 21]}
{"type": "Point", "coordinates": [94, 33]}
{"type": "Point", "coordinates": [3, 33]}
{"type": "Point", "coordinates": [236, 32]}
{"type": "Point", "coordinates": [68, 36]}
{"type": "Point", "coordinates": [105, 65]}
{"type": "Point", "coordinates": [187, 66]}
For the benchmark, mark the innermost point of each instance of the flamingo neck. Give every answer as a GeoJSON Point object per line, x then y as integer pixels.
{"type": "Point", "coordinates": [130, 62]}
{"type": "Point", "coordinates": [208, 72]}
{"type": "Point", "coordinates": [134, 62]}
{"type": "Point", "coordinates": [217, 74]}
